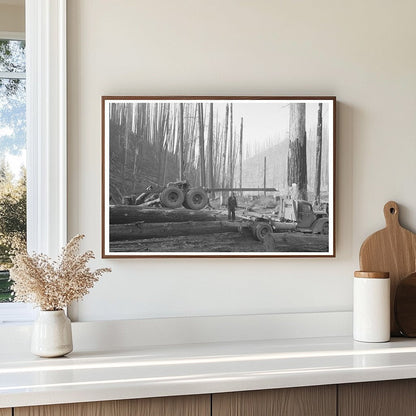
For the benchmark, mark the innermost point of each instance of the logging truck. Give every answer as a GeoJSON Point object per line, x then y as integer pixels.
{"type": "Point", "coordinates": [294, 215]}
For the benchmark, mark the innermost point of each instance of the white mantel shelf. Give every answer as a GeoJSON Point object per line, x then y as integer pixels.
{"type": "Point", "coordinates": [151, 371]}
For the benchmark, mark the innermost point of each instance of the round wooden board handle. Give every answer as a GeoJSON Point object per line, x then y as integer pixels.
{"type": "Point", "coordinates": [391, 214]}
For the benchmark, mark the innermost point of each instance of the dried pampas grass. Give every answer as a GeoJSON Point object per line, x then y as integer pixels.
{"type": "Point", "coordinates": [53, 285]}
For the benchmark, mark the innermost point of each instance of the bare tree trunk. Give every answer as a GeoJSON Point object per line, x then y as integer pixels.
{"type": "Point", "coordinates": [180, 133]}
{"type": "Point", "coordinates": [154, 127]}
{"type": "Point", "coordinates": [139, 131]}
{"type": "Point", "coordinates": [230, 154]}
{"type": "Point", "coordinates": [165, 169]}
{"type": "Point", "coordinates": [163, 133]}
{"type": "Point", "coordinates": [264, 175]}
{"type": "Point", "coordinates": [113, 112]}
{"type": "Point", "coordinates": [191, 134]}
{"type": "Point", "coordinates": [318, 156]}
{"type": "Point", "coordinates": [224, 156]}
{"type": "Point", "coordinates": [210, 144]}
{"type": "Point", "coordinates": [296, 165]}
{"type": "Point", "coordinates": [168, 139]}
{"type": "Point", "coordinates": [201, 145]}
{"type": "Point", "coordinates": [218, 143]}
{"type": "Point", "coordinates": [241, 156]}
{"type": "Point", "coordinates": [136, 156]}
{"type": "Point", "coordinates": [127, 130]}
{"type": "Point", "coordinates": [147, 123]}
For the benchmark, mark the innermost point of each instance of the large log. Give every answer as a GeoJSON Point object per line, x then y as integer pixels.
{"type": "Point", "coordinates": [125, 214]}
{"type": "Point", "coordinates": [137, 231]}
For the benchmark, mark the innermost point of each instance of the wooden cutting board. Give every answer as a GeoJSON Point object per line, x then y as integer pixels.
{"type": "Point", "coordinates": [392, 250]}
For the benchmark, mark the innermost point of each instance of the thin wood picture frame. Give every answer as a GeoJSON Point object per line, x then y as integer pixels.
{"type": "Point", "coordinates": [218, 176]}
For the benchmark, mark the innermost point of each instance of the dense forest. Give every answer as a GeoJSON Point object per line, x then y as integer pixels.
{"type": "Point", "coordinates": [154, 143]}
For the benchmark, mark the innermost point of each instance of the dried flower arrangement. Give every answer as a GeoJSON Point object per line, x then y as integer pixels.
{"type": "Point", "coordinates": [53, 285]}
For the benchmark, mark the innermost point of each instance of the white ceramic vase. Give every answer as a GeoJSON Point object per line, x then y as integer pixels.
{"type": "Point", "coordinates": [52, 334]}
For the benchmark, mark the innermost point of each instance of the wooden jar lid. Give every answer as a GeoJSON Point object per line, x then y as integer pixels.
{"type": "Point", "coordinates": [372, 275]}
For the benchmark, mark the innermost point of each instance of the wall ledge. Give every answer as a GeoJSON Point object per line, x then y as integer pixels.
{"type": "Point", "coordinates": [126, 334]}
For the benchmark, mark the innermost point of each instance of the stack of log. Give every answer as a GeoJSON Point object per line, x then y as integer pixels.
{"type": "Point", "coordinates": [135, 222]}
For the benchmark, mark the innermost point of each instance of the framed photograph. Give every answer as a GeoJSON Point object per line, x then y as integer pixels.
{"type": "Point", "coordinates": [218, 176]}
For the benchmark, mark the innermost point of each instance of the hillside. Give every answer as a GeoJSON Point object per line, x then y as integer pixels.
{"type": "Point", "coordinates": [276, 166]}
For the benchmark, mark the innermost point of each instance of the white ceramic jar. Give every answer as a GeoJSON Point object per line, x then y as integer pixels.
{"type": "Point", "coordinates": [371, 309]}
{"type": "Point", "coordinates": [52, 334]}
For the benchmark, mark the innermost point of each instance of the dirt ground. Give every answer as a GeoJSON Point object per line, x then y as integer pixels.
{"type": "Point", "coordinates": [226, 243]}
{"type": "Point", "coordinates": [219, 242]}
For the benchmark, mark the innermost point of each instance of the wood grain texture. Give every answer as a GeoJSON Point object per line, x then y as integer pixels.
{"type": "Point", "coordinates": [161, 406]}
{"type": "Point", "coordinates": [5, 412]}
{"type": "Point", "coordinates": [405, 306]}
{"type": "Point", "coordinates": [300, 401]}
{"type": "Point", "coordinates": [383, 398]}
{"type": "Point", "coordinates": [392, 250]}
{"type": "Point", "coordinates": [372, 275]}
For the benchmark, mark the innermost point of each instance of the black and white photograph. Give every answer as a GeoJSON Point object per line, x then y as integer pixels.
{"type": "Point", "coordinates": [218, 176]}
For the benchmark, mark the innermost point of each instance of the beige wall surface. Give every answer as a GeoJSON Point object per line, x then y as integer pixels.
{"type": "Point", "coordinates": [361, 51]}
{"type": "Point", "coordinates": [12, 18]}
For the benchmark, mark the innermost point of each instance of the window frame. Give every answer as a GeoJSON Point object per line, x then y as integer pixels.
{"type": "Point", "coordinates": [46, 138]}
{"type": "Point", "coordinates": [46, 125]}
{"type": "Point", "coordinates": [14, 312]}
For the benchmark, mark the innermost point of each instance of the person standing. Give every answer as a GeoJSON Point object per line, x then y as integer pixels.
{"type": "Point", "coordinates": [232, 205]}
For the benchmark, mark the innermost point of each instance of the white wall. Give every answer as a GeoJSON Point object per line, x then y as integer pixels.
{"type": "Point", "coordinates": [12, 18]}
{"type": "Point", "coordinates": [361, 51]}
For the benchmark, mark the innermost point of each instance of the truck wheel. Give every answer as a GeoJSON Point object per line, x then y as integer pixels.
{"type": "Point", "coordinates": [172, 197]}
{"type": "Point", "coordinates": [262, 230]}
{"type": "Point", "coordinates": [196, 198]}
{"type": "Point", "coordinates": [325, 229]}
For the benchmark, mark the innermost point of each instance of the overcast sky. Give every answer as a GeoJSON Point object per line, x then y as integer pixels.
{"type": "Point", "coordinates": [265, 120]}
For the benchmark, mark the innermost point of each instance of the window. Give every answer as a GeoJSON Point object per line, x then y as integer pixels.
{"type": "Point", "coordinates": [12, 165]}
{"type": "Point", "coordinates": [12, 154]}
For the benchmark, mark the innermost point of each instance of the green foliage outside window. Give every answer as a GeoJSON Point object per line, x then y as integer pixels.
{"type": "Point", "coordinates": [12, 223]}
{"type": "Point", "coordinates": [12, 148]}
